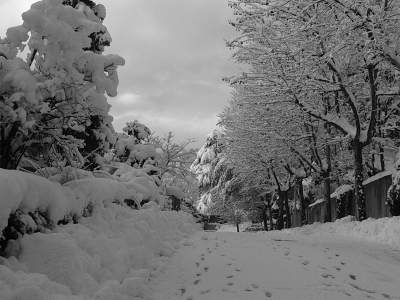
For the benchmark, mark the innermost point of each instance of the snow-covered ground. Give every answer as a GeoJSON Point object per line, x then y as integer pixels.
{"type": "Point", "coordinates": [124, 254]}
{"type": "Point", "coordinates": [232, 228]}
{"type": "Point", "coordinates": [109, 256]}
{"type": "Point", "coordinates": [296, 264]}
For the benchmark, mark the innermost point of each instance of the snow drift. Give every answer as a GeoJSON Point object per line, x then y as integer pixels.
{"type": "Point", "coordinates": [110, 255]}
{"type": "Point", "coordinates": [384, 230]}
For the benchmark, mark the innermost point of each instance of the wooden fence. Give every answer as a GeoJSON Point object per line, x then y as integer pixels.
{"type": "Point", "coordinates": [343, 204]}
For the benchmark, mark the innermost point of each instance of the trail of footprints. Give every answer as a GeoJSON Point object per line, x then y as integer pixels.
{"type": "Point", "coordinates": [328, 276]}
{"type": "Point", "coordinates": [229, 277]}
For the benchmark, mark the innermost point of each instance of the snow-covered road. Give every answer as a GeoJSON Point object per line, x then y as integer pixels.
{"type": "Point", "coordinates": [246, 266]}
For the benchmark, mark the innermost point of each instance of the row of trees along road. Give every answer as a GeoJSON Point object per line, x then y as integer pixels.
{"type": "Point", "coordinates": [319, 95]}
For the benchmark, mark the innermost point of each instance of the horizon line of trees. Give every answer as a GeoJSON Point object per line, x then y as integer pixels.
{"type": "Point", "coordinates": [318, 102]}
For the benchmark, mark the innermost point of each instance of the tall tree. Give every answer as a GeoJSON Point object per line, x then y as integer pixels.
{"type": "Point", "coordinates": [329, 58]}
{"type": "Point", "coordinates": [54, 102]}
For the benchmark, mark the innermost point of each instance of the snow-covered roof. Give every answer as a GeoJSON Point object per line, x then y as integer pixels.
{"type": "Point", "coordinates": [341, 190]}
{"type": "Point", "coordinates": [377, 177]}
{"type": "Point", "coordinates": [316, 202]}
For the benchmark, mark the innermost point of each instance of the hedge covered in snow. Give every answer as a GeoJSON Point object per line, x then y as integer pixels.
{"type": "Point", "coordinates": [110, 255]}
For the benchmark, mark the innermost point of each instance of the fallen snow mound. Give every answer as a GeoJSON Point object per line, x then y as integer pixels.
{"type": "Point", "coordinates": [110, 255]}
{"type": "Point", "coordinates": [385, 230]}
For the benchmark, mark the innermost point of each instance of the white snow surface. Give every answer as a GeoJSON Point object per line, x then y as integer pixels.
{"type": "Point", "coordinates": [322, 262]}
{"type": "Point", "coordinates": [385, 230]}
{"type": "Point", "coordinates": [109, 256]}
{"type": "Point", "coordinates": [28, 192]}
{"type": "Point", "coordinates": [19, 190]}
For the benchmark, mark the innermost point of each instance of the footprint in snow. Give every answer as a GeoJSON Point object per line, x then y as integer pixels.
{"type": "Point", "coordinates": [205, 292]}
{"type": "Point", "coordinates": [183, 291]}
{"type": "Point", "coordinates": [230, 283]}
{"type": "Point", "coordinates": [202, 258]}
{"type": "Point", "coordinates": [326, 275]}
{"type": "Point", "coordinates": [346, 293]}
{"type": "Point", "coordinates": [237, 269]}
{"type": "Point", "coordinates": [248, 289]}
{"type": "Point", "coordinates": [305, 262]}
{"type": "Point", "coordinates": [206, 269]}
{"type": "Point", "coordinates": [196, 282]}
{"type": "Point", "coordinates": [353, 276]}
{"type": "Point", "coordinates": [268, 294]}
{"type": "Point", "coordinates": [197, 264]}
{"type": "Point", "coordinates": [362, 289]}
{"type": "Point", "coordinates": [254, 286]}
{"type": "Point", "coordinates": [229, 276]}
{"type": "Point", "coordinates": [342, 263]}
{"type": "Point", "coordinates": [198, 274]}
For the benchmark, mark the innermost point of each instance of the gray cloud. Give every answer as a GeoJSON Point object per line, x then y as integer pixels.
{"type": "Point", "coordinates": [175, 58]}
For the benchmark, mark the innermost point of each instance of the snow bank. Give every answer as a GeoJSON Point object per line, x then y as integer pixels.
{"type": "Point", "coordinates": [385, 230]}
{"type": "Point", "coordinates": [110, 255]}
{"type": "Point", "coordinates": [27, 192]}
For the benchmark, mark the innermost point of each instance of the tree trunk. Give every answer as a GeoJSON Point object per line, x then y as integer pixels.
{"type": "Point", "coordinates": [359, 195]}
{"type": "Point", "coordinates": [237, 226]}
{"type": "Point", "coordinates": [382, 158]}
{"type": "Point", "coordinates": [279, 224]}
{"type": "Point", "coordinates": [300, 192]}
{"type": "Point", "coordinates": [287, 209]}
{"type": "Point", "coordinates": [264, 217]}
{"type": "Point", "coordinates": [8, 158]}
{"type": "Point", "coordinates": [327, 197]}
{"type": "Point", "coordinates": [327, 175]}
{"type": "Point", "coordinates": [271, 221]}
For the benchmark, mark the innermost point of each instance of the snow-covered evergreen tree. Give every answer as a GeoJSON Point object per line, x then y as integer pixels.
{"type": "Point", "coordinates": [53, 104]}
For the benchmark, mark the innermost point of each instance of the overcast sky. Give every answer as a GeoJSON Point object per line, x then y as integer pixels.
{"type": "Point", "coordinates": [175, 58]}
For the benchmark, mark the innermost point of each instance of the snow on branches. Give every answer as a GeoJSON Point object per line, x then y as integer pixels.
{"type": "Point", "coordinates": [54, 99]}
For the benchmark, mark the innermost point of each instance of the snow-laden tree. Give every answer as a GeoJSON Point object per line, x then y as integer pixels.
{"type": "Point", "coordinates": [335, 60]}
{"type": "Point", "coordinates": [208, 160]}
{"type": "Point", "coordinates": [281, 137]}
{"type": "Point", "coordinates": [175, 163]}
{"type": "Point", "coordinates": [177, 156]}
{"type": "Point", "coordinates": [53, 106]}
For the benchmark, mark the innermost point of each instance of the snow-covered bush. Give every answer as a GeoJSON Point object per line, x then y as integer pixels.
{"type": "Point", "coordinates": [110, 255]}
{"type": "Point", "coordinates": [31, 203]}
{"type": "Point", "coordinates": [56, 110]}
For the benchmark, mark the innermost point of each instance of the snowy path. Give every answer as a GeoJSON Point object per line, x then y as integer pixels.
{"type": "Point", "coordinates": [247, 266]}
